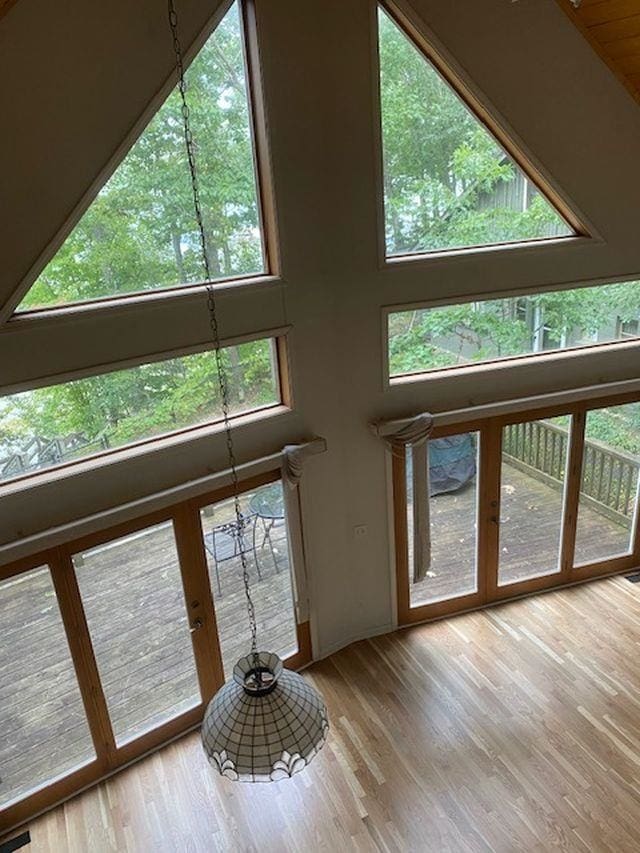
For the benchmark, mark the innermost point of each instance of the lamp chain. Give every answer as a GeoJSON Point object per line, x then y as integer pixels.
{"type": "Point", "coordinates": [213, 321]}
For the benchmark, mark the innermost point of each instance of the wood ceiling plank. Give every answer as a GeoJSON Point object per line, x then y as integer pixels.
{"type": "Point", "coordinates": [624, 47]}
{"type": "Point", "coordinates": [607, 10]}
{"type": "Point", "coordinates": [617, 21]}
{"type": "Point", "coordinates": [613, 30]}
{"type": "Point", "coordinates": [629, 64]}
{"type": "Point", "coordinates": [5, 5]}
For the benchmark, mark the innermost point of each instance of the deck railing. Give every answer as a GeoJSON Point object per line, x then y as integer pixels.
{"type": "Point", "coordinates": [40, 453]}
{"type": "Point", "coordinates": [609, 477]}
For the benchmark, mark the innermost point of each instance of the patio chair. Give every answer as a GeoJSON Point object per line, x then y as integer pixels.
{"type": "Point", "coordinates": [269, 526]}
{"type": "Point", "coordinates": [225, 542]}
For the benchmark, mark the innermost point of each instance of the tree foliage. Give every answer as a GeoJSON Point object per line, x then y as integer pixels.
{"type": "Point", "coordinates": [447, 182]}
{"type": "Point", "coordinates": [128, 405]}
{"type": "Point", "coordinates": [140, 232]}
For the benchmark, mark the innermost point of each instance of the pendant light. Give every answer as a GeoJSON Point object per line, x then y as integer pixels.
{"type": "Point", "coordinates": [266, 723]}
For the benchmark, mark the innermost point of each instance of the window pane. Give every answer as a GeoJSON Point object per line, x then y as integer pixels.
{"type": "Point", "coordinates": [447, 181]}
{"type": "Point", "coordinates": [266, 546]}
{"type": "Point", "coordinates": [73, 420]}
{"type": "Point", "coordinates": [533, 476]}
{"type": "Point", "coordinates": [140, 233]}
{"type": "Point", "coordinates": [472, 332]}
{"type": "Point", "coordinates": [453, 510]}
{"type": "Point", "coordinates": [609, 483]}
{"type": "Point", "coordinates": [132, 594]}
{"type": "Point", "coordinates": [44, 732]}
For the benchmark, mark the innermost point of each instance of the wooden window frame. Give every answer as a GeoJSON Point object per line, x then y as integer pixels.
{"type": "Point", "coordinates": [393, 379]}
{"type": "Point", "coordinates": [489, 592]}
{"type": "Point", "coordinates": [199, 605]}
{"type": "Point", "coordinates": [265, 194]}
{"type": "Point", "coordinates": [284, 403]}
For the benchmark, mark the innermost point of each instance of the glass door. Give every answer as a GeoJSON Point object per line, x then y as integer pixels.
{"type": "Point", "coordinates": [45, 734]}
{"type": "Point", "coordinates": [608, 485]}
{"type": "Point", "coordinates": [115, 641]}
{"type": "Point", "coordinates": [533, 475]}
{"type": "Point", "coordinates": [133, 598]}
{"type": "Point", "coordinates": [263, 540]}
{"type": "Point", "coordinates": [452, 476]}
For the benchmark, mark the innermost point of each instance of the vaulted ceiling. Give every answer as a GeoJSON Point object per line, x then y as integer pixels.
{"type": "Point", "coordinates": [613, 28]}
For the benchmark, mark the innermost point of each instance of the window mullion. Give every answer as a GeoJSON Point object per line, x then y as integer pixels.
{"type": "Point", "coordinates": [198, 600]}
{"type": "Point", "coordinates": [489, 510]}
{"type": "Point", "coordinates": [572, 494]}
{"type": "Point", "coordinates": [82, 654]}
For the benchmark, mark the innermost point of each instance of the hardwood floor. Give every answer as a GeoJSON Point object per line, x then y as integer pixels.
{"type": "Point", "coordinates": [512, 728]}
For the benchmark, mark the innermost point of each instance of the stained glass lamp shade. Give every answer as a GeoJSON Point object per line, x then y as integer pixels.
{"type": "Point", "coordinates": [265, 728]}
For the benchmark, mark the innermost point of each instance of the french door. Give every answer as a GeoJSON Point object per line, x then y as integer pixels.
{"type": "Point", "coordinates": [112, 644]}
{"type": "Point", "coordinates": [518, 504]}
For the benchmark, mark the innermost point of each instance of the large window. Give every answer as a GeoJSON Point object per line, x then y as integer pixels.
{"type": "Point", "coordinates": [427, 339]}
{"type": "Point", "coordinates": [453, 519]}
{"type": "Point", "coordinates": [532, 480]}
{"type": "Point", "coordinates": [140, 232]}
{"type": "Point", "coordinates": [73, 420]}
{"type": "Point", "coordinates": [139, 629]}
{"type": "Point", "coordinates": [42, 720]}
{"type": "Point", "coordinates": [114, 643]}
{"type": "Point", "coordinates": [448, 183]}
{"type": "Point", "coordinates": [517, 503]}
{"type": "Point", "coordinates": [609, 485]}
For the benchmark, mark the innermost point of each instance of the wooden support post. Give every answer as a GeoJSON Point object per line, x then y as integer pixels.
{"type": "Point", "coordinates": [572, 495]}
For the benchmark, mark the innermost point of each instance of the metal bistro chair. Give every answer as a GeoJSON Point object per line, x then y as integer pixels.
{"type": "Point", "coordinates": [224, 542]}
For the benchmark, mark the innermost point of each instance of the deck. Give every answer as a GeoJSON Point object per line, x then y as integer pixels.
{"type": "Point", "coordinates": [134, 604]}
{"type": "Point", "coordinates": [530, 518]}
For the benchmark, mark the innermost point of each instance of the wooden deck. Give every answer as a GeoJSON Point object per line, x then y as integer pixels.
{"type": "Point", "coordinates": [134, 603]}
{"type": "Point", "coordinates": [530, 517]}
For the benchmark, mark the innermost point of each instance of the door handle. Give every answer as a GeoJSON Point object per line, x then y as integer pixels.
{"type": "Point", "coordinates": [197, 624]}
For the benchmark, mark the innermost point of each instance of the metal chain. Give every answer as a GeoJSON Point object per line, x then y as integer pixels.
{"type": "Point", "coordinates": [213, 322]}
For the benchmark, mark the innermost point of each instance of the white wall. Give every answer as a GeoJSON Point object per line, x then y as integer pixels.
{"type": "Point", "coordinates": [76, 78]}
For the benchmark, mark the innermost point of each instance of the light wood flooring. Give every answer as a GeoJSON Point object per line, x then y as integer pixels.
{"type": "Point", "coordinates": [516, 728]}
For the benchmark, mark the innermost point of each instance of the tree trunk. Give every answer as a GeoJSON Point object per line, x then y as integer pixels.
{"type": "Point", "coordinates": [177, 251]}
{"type": "Point", "coordinates": [237, 375]}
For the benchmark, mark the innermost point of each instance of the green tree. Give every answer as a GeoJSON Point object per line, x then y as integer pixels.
{"type": "Point", "coordinates": [447, 183]}
{"type": "Point", "coordinates": [140, 232]}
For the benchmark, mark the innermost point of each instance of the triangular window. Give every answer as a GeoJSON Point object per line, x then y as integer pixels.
{"type": "Point", "coordinates": [448, 183]}
{"type": "Point", "coordinates": [139, 233]}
